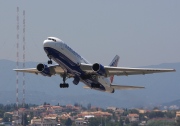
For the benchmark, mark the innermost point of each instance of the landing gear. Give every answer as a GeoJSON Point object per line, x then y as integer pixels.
{"type": "Point", "coordinates": [49, 61]}
{"type": "Point", "coordinates": [64, 84]}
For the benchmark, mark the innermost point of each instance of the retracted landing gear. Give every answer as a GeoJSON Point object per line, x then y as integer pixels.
{"type": "Point", "coordinates": [64, 84]}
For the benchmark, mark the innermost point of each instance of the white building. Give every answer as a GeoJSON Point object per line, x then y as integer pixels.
{"type": "Point", "coordinates": [80, 122]}
{"type": "Point", "coordinates": [133, 117]}
{"type": "Point", "coordinates": [46, 121]}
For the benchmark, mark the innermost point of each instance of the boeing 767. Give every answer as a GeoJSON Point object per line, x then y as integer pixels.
{"type": "Point", "coordinates": [72, 65]}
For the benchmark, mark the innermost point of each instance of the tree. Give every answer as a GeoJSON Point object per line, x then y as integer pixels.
{"type": "Point", "coordinates": [127, 121]}
{"type": "Point", "coordinates": [56, 119]}
{"type": "Point", "coordinates": [1, 113]}
{"type": "Point", "coordinates": [76, 104]}
{"type": "Point", "coordinates": [94, 121]}
{"type": "Point", "coordinates": [31, 115]}
{"type": "Point", "coordinates": [178, 121]}
{"type": "Point", "coordinates": [170, 114]}
{"type": "Point", "coordinates": [89, 106]}
{"type": "Point", "coordinates": [156, 108]}
{"type": "Point", "coordinates": [24, 120]}
{"type": "Point", "coordinates": [45, 103]}
{"type": "Point", "coordinates": [134, 111]}
{"type": "Point", "coordinates": [134, 124]}
{"type": "Point", "coordinates": [160, 123]}
{"type": "Point", "coordinates": [68, 122]}
{"type": "Point", "coordinates": [7, 118]}
{"type": "Point", "coordinates": [120, 122]}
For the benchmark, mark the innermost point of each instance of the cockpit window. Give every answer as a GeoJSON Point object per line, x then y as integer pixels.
{"type": "Point", "coordinates": [52, 39]}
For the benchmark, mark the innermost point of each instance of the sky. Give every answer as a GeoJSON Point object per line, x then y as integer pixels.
{"type": "Point", "coordinates": [141, 32]}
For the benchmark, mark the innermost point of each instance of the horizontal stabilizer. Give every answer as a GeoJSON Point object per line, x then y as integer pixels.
{"type": "Point", "coordinates": [124, 87]}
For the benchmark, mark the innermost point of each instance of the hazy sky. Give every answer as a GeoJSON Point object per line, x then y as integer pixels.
{"type": "Point", "coordinates": [142, 32]}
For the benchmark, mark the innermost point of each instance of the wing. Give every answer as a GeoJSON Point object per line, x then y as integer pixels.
{"type": "Point", "coordinates": [28, 70]}
{"type": "Point", "coordinates": [124, 71]}
{"type": "Point", "coordinates": [55, 69]}
{"type": "Point", "coordinates": [120, 71]}
{"type": "Point", "coordinates": [124, 87]}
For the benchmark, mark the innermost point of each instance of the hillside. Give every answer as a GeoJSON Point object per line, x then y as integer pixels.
{"type": "Point", "coordinates": [159, 88]}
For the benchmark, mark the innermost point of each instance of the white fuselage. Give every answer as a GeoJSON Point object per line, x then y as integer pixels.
{"type": "Point", "coordinates": [70, 61]}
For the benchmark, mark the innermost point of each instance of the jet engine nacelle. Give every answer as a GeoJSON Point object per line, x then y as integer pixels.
{"type": "Point", "coordinates": [44, 69]}
{"type": "Point", "coordinates": [98, 68]}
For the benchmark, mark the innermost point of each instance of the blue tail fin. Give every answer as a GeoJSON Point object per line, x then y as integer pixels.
{"type": "Point", "coordinates": [114, 63]}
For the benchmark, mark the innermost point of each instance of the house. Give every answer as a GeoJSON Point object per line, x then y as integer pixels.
{"type": "Point", "coordinates": [142, 111]}
{"type": "Point", "coordinates": [88, 116]}
{"type": "Point", "coordinates": [57, 109]}
{"type": "Point", "coordinates": [80, 122]}
{"type": "Point", "coordinates": [95, 114]}
{"type": "Point", "coordinates": [120, 111]}
{"type": "Point", "coordinates": [111, 108]}
{"type": "Point", "coordinates": [46, 121]}
{"type": "Point", "coordinates": [36, 122]}
{"type": "Point", "coordinates": [177, 115]}
{"type": "Point", "coordinates": [133, 117]}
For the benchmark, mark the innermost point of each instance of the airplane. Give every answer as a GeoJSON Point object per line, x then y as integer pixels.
{"type": "Point", "coordinates": [72, 65]}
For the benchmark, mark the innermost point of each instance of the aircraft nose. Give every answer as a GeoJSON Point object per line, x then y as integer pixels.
{"type": "Point", "coordinates": [46, 43]}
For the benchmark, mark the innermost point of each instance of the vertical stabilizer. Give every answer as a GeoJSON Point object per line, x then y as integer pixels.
{"type": "Point", "coordinates": [114, 63]}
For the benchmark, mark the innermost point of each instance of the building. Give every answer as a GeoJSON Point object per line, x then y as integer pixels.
{"type": "Point", "coordinates": [95, 114]}
{"type": "Point", "coordinates": [46, 121]}
{"type": "Point", "coordinates": [6, 124]}
{"type": "Point", "coordinates": [177, 116]}
{"type": "Point", "coordinates": [57, 109]}
{"type": "Point", "coordinates": [141, 111]}
{"type": "Point", "coordinates": [80, 122]}
{"type": "Point", "coordinates": [133, 117]}
{"type": "Point", "coordinates": [16, 118]}
{"type": "Point", "coordinates": [112, 108]}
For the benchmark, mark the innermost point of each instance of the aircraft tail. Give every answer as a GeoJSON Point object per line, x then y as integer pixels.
{"type": "Point", "coordinates": [114, 63]}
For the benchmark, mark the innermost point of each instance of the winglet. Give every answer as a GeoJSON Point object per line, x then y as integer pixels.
{"type": "Point", "coordinates": [114, 63]}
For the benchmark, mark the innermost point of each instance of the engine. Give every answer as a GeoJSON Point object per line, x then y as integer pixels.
{"type": "Point", "coordinates": [99, 69]}
{"type": "Point", "coordinates": [44, 69]}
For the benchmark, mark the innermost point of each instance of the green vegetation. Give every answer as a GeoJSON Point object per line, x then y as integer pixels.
{"type": "Point", "coordinates": [161, 123]}
{"type": "Point", "coordinates": [116, 118]}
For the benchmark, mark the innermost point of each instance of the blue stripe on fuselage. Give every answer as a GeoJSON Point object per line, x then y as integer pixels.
{"type": "Point", "coordinates": [70, 66]}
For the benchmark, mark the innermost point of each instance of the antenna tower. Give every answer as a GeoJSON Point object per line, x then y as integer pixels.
{"type": "Point", "coordinates": [24, 43]}
{"type": "Point", "coordinates": [17, 59]}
